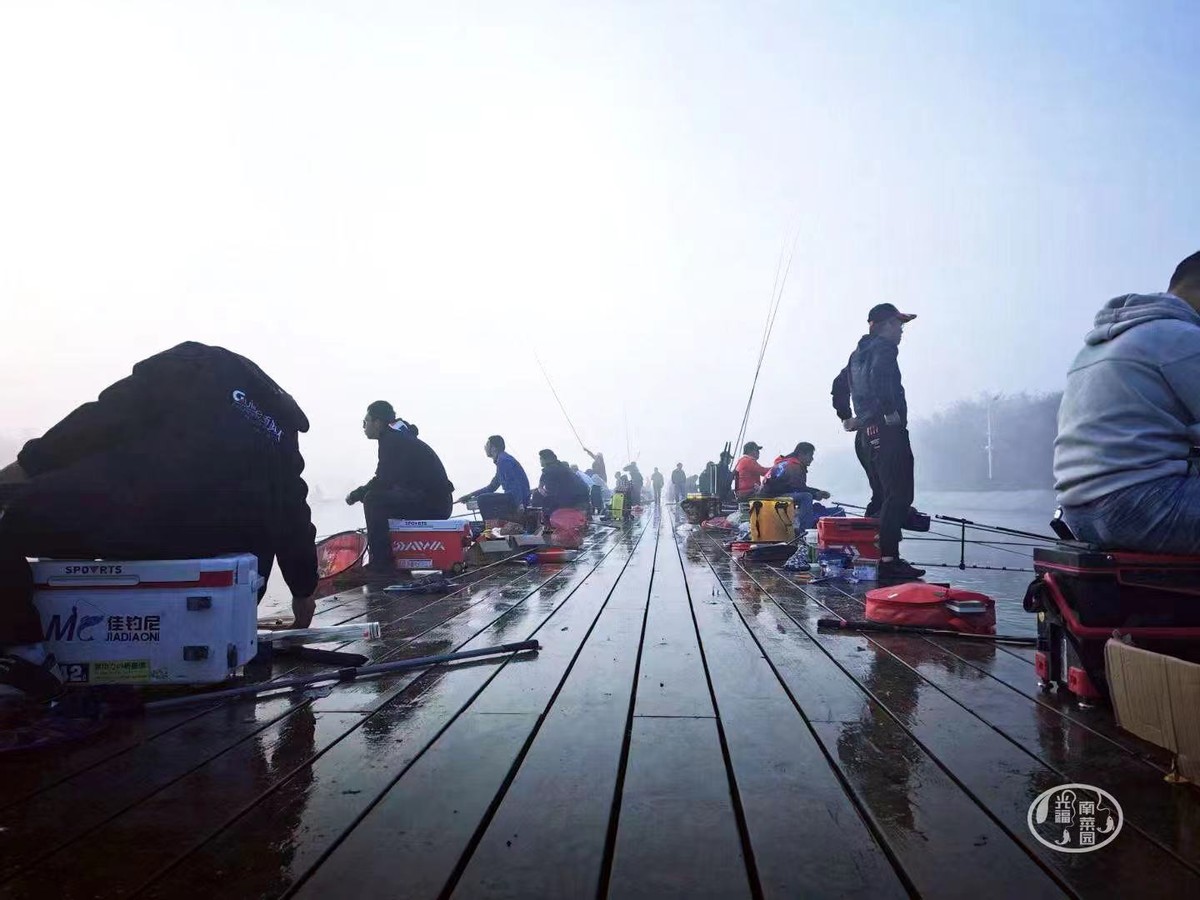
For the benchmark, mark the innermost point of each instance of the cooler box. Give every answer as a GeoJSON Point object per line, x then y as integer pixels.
{"type": "Point", "coordinates": [434, 544]}
{"type": "Point", "coordinates": [185, 621]}
{"type": "Point", "coordinates": [858, 537]}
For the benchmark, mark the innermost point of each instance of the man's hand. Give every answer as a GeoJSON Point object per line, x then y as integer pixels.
{"type": "Point", "coordinates": [302, 611]}
{"type": "Point", "coordinates": [892, 419]}
{"type": "Point", "coordinates": [13, 474]}
{"type": "Point", "coordinates": [464, 498]}
{"type": "Point", "coordinates": [355, 496]}
{"type": "Point", "coordinates": [850, 424]}
{"type": "Point", "coordinates": [823, 495]}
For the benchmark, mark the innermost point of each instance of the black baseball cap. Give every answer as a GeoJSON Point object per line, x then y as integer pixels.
{"type": "Point", "coordinates": [885, 311]}
{"type": "Point", "coordinates": [750, 447]}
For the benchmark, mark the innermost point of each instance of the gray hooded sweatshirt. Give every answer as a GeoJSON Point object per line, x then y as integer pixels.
{"type": "Point", "coordinates": [1132, 400]}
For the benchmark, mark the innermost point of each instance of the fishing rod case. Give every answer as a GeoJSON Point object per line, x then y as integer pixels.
{"type": "Point", "coordinates": [932, 606]}
{"type": "Point", "coordinates": [1082, 595]}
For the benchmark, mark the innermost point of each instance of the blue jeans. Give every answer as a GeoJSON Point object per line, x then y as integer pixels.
{"type": "Point", "coordinates": [1161, 516]}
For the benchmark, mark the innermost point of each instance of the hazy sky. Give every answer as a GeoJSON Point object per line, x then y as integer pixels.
{"type": "Point", "coordinates": [406, 200]}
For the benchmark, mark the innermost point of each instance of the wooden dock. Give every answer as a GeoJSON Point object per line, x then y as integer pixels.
{"type": "Point", "coordinates": [686, 731]}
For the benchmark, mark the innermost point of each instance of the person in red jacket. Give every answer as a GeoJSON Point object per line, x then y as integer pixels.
{"type": "Point", "coordinates": [748, 472]}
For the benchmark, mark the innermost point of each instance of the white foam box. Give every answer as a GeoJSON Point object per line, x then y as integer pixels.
{"type": "Point", "coordinates": [190, 621]}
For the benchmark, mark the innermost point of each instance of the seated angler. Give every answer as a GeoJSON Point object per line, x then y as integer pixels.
{"type": "Point", "coordinates": [789, 477]}
{"type": "Point", "coordinates": [559, 487]}
{"type": "Point", "coordinates": [748, 472]}
{"type": "Point", "coordinates": [410, 483]}
{"type": "Point", "coordinates": [1124, 469]}
{"type": "Point", "coordinates": [510, 478]}
{"type": "Point", "coordinates": [195, 454]}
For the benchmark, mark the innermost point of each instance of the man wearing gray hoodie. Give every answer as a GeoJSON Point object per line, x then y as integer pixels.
{"type": "Point", "coordinates": [1129, 419]}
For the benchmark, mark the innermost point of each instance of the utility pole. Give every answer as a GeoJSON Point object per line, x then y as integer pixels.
{"type": "Point", "coordinates": [988, 448]}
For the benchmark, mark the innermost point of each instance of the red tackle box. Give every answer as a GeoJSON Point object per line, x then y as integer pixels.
{"type": "Point", "coordinates": [858, 536]}
{"type": "Point", "coordinates": [434, 544]}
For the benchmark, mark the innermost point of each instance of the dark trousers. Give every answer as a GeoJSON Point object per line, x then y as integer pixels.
{"type": "Point", "coordinates": [892, 462]}
{"type": "Point", "coordinates": [862, 449]}
{"type": "Point", "coordinates": [658, 495]}
{"type": "Point", "coordinates": [597, 499]}
{"type": "Point", "coordinates": [380, 506]}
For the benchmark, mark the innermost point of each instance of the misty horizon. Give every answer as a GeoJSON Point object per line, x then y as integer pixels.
{"type": "Point", "coordinates": [407, 204]}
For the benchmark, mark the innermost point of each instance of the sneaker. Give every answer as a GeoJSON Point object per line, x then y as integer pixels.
{"type": "Point", "coordinates": [32, 682]}
{"type": "Point", "coordinates": [899, 570]}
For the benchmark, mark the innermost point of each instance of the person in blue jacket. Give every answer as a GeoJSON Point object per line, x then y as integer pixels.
{"type": "Point", "coordinates": [510, 475]}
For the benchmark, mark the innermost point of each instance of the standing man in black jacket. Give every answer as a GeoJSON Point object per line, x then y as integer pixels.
{"type": "Point", "coordinates": [195, 454]}
{"type": "Point", "coordinates": [410, 482]}
{"type": "Point", "coordinates": [880, 416]}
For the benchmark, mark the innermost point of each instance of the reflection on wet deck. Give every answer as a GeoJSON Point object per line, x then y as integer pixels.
{"type": "Point", "coordinates": [685, 731]}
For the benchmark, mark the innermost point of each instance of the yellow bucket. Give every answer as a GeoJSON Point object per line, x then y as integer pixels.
{"type": "Point", "coordinates": [773, 519]}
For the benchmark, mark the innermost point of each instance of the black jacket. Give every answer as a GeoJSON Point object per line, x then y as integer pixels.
{"type": "Point", "coordinates": [198, 450]}
{"type": "Point", "coordinates": [563, 487]}
{"type": "Point", "coordinates": [871, 381]}
{"type": "Point", "coordinates": [409, 469]}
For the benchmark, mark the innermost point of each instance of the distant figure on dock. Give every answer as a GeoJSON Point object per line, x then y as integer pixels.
{"type": "Point", "coordinates": [1124, 465]}
{"type": "Point", "coordinates": [600, 493]}
{"type": "Point", "coordinates": [636, 481]}
{"type": "Point", "coordinates": [656, 482]}
{"type": "Point", "coordinates": [410, 483]}
{"type": "Point", "coordinates": [748, 471]}
{"type": "Point", "coordinates": [510, 478]}
{"type": "Point", "coordinates": [598, 464]}
{"type": "Point", "coordinates": [195, 454]}
{"type": "Point", "coordinates": [559, 487]}
{"type": "Point", "coordinates": [678, 483]}
{"type": "Point", "coordinates": [881, 412]}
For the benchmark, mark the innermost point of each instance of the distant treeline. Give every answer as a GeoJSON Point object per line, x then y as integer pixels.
{"type": "Point", "coordinates": [951, 446]}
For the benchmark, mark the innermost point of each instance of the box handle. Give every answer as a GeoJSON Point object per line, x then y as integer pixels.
{"type": "Point", "coordinates": [195, 653]}
{"type": "Point", "coordinates": [195, 604]}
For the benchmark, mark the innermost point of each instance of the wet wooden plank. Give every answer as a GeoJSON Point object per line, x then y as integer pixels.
{"type": "Point", "coordinates": [943, 842]}
{"type": "Point", "coordinates": [54, 819]}
{"type": "Point", "coordinates": [29, 774]}
{"type": "Point", "coordinates": [806, 834]}
{"type": "Point", "coordinates": [1077, 752]}
{"type": "Point", "coordinates": [124, 852]}
{"type": "Point", "coordinates": [677, 835]}
{"type": "Point", "coordinates": [547, 837]}
{"type": "Point", "coordinates": [303, 817]}
{"type": "Point", "coordinates": [671, 679]}
{"type": "Point", "coordinates": [998, 662]}
{"type": "Point", "coordinates": [439, 803]}
{"type": "Point", "coordinates": [998, 774]}
{"type": "Point", "coordinates": [31, 830]}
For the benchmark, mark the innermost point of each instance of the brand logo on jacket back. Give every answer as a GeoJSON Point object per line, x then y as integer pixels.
{"type": "Point", "coordinates": [256, 417]}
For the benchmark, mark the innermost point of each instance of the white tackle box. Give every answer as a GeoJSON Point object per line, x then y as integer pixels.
{"type": "Point", "coordinates": [181, 621]}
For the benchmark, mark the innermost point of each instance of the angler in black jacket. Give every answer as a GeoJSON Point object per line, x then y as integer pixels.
{"type": "Point", "coordinates": [410, 482]}
{"type": "Point", "coordinates": [195, 454]}
{"type": "Point", "coordinates": [559, 487]}
{"type": "Point", "coordinates": [871, 382]}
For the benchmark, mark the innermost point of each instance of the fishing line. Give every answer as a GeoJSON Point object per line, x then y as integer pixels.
{"type": "Point", "coordinates": [559, 402]}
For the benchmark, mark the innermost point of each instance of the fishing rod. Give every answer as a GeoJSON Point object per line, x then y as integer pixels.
{"type": "Point", "coordinates": [840, 624]}
{"type": "Point", "coordinates": [777, 291]}
{"type": "Point", "coordinates": [559, 401]}
{"type": "Point", "coordinates": [342, 675]}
